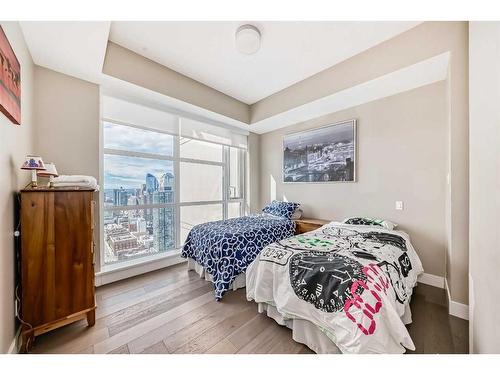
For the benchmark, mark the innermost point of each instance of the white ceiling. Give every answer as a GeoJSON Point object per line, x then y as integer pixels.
{"type": "Point", "coordinates": [290, 51]}
{"type": "Point", "coordinates": [73, 48]}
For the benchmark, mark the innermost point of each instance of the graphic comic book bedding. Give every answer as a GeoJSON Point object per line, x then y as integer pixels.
{"type": "Point", "coordinates": [225, 248]}
{"type": "Point", "coordinates": [352, 281]}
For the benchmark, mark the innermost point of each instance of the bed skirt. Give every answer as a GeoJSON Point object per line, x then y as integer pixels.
{"type": "Point", "coordinates": [303, 331]}
{"type": "Point", "coordinates": [239, 282]}
{"type": "Point", "coordinates": [308, 333]}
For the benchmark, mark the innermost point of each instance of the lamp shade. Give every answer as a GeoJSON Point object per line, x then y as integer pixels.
{"type": "Point", "coordinates": [50, 170]}
{"type": "Point", "coordinates": [33, 162]}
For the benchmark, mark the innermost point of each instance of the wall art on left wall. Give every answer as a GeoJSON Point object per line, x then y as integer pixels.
{"type": "Point", "coordinates": [10, 81]}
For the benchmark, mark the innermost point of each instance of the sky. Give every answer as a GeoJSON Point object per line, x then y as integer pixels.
{"type": "Point", "coordinates": [130, 172]}
{"type": "Point", "coordinates": [132, 139]}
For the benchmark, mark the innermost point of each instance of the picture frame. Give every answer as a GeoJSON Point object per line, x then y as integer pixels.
{"type": "Point", "coordinates": [325, 154]}
{"type": "Point", "coordinates": [10, 81]}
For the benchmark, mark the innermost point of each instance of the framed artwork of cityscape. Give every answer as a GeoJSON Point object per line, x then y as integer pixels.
{"type": "Point", "coordinates": [326, 154]}
{"type": "Point", "coordinates": [10, 81]}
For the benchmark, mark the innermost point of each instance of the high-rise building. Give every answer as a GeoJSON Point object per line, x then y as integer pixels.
{"type": "Point", "coordinates": [163, 222]}
{"type": "Point", "coordinates": [148, 212]}
{"type": "Point", "coordinates": [151, 183]}
{"type": "Point", "coordinates": [137, 224]}
{"type": "Point", "coordinates": [132, 200]}
{"type": "Point", "coordinates": [120, 197]}
{"type": "Point", "coordinates": [167, 186]}
{"type": "Point", "coordinates": [141, 225]}
{"type": "Point", "coordinates": [167, 182]}
{"type": "Point", "coordinates": [149, 188]}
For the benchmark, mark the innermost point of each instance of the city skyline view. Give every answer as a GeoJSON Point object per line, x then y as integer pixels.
{"type": "Point", "coordinates": [134, 181]}
{"type": "Point", "coordinates": [128, 171]}
{"type": "Point", "coordinates": [139, 183]}
{"type": "Point", "coordinates": [138, 232]}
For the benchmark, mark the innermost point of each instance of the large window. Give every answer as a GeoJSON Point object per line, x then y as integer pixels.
{"type": "Point", "coordinates": [158, 185]}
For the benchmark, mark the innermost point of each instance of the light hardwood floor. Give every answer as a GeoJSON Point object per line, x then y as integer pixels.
{"type": "Point", "coordinates": [174, 311]}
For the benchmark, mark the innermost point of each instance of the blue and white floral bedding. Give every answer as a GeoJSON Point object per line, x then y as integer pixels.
{"type": "Point", "coordinates": [225, 248]}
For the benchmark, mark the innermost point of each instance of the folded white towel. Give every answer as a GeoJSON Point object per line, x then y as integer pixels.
{"type": "Point", "coordinates": [75, 179]}
{"type": "Point", "coordinates": [77, 184]}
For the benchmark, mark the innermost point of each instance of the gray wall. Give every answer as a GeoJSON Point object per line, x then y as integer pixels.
{"type": "Point", "coordinates": [67, 114]}
{"type": "Point", "coordinates": [402, 153]}
{"type": "Point", "coordinates": [484, 187]}
{"type": "Point", "coordinates": [253, 174]}
{"type": "Point", "coordinates": [67, 122]}
{"type": "Point", "coordinates": [16, 141]}
{"type": "Point", "coordinates": [422, 42]}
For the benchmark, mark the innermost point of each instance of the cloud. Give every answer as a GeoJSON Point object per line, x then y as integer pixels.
{"type": "Point", "coordinates": [130, 172]}
{"type": "Point", "coordinates": [132, 139]}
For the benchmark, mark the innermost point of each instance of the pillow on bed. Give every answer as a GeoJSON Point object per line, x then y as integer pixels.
{"type": "Point", "coordinates": [282, 209]}
{"type": "Point", "coordinates": [370, 221]}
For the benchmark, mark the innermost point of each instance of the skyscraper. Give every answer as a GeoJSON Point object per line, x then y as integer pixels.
{"type": "Point", "coordinates": [167, 181]}
{"type": "Point", "coordinates": [120, 197]}
{"type": "Point", "coordinates": [163, 222]}
{"type": "Point", "coordinates": [151, 183]}
{"type": "Point", "coordinates": [150, 187]}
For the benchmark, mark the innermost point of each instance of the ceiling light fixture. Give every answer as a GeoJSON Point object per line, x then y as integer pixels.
{"type": "Point", "coordinates": [247, 39]}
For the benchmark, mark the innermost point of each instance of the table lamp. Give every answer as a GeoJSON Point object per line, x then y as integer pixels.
{"type": "Point", "coordinates": [50, 172]}
{"type": "Point", "coordinates": [33, 163]}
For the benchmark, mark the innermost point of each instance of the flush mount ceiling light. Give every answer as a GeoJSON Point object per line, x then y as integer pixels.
{"type": "Point", "coordinates": [247, 39]}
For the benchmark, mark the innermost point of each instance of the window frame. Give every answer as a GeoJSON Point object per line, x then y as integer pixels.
{"type": "Point", "coordinates": [177, 204]}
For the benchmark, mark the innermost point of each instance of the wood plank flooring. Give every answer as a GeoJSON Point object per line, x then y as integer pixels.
{"type": "Point", "coordinates": [174, 311]}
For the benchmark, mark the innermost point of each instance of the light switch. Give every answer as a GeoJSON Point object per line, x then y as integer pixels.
{"type": "Point", "coordinates": [399, 205]}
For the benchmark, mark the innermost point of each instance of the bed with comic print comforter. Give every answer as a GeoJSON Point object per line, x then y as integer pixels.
{"type": "Point", "coordinates": [225, 248]}
{"type": "Point", "coordinates": [353, 282]}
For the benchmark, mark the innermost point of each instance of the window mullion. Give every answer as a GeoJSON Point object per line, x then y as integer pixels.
{"type": "Point", "coordinates": [177, 184]}
{"type": "Point", "coordinates": [225, 182]}
{"type": "Point", "coordinates": [145, 155]}
{"type": "Point", "coordinates": [242, 179]}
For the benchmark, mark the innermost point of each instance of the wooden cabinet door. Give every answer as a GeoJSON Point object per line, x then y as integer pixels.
{"type": "Point", "coordinates": [73, 256]}
{"type": "Point", "coordinates": [38, 258]}
{"type": "Point", "coordinates": [56, 255]}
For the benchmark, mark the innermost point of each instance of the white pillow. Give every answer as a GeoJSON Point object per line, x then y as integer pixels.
{"type": "Point", "coordinates": [358, 220]}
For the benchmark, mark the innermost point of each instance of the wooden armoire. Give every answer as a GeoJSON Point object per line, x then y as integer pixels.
{"type": "Point", "coordinates": [57, 259]}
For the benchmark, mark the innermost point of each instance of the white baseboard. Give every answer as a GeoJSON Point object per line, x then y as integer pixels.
{"type": "Point", "coordinates": [457, 309]}
{"type": "Point", "coordinates": [472, 302]}
{"type": "Point", "coordinates": [13, 344]}
{"type": "Point", "coordinates": [112, 275]}
{"type": "Point", "coordinates": [433, 280]}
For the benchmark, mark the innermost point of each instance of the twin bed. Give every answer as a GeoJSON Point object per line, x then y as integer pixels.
{"type": "Point", "coordinates": [222, 250]}
{"type": "Point", "coordinates": [345, 287]}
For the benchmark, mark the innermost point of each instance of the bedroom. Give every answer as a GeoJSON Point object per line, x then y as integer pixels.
{"type": "Point", "coordinates": [224, 186]}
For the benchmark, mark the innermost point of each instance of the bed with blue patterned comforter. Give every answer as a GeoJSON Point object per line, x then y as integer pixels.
{"type": "Point", "coordinates": [225, 248]}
